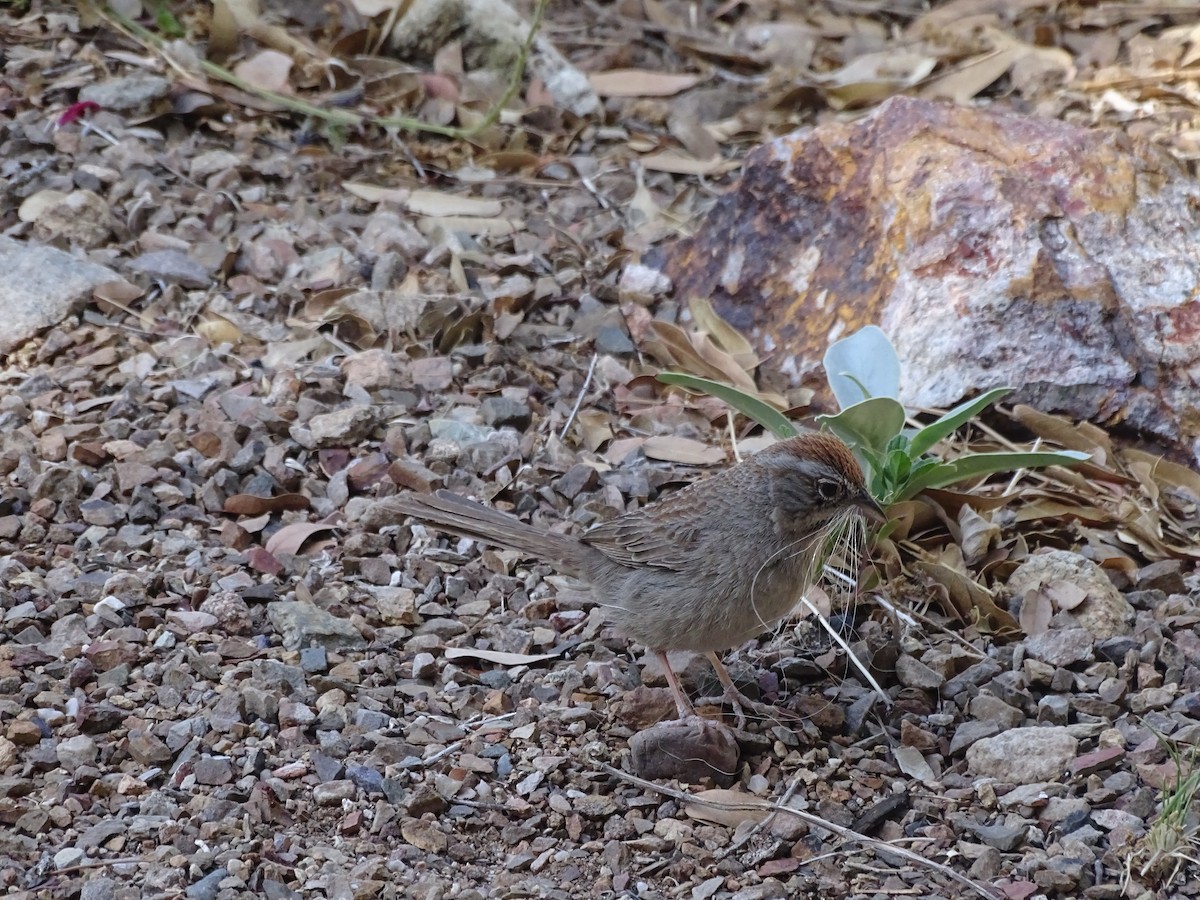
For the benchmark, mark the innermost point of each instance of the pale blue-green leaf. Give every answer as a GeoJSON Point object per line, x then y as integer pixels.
{"type": "Point", "coordinates": [977, 465]}
{"type": "Point", "coordinates": [871, 423]}
{"type": "Point", "coordinates": [954, 419]}
{"type": "Point", "coordinates": [862, 365]}
{"type": "Point", "coordinates": [751, 407]}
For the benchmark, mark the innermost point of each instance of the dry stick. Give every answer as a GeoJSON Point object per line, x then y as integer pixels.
{"type": "Point", "coordinates": [579, 400]}
{"type": "Point", "coordinates": [338, 116]}
{"type": "Point", "coordinates": [846, 834]}
{"type": "Point", "coordinates": [909, 611]}
{"type": "Point", "coordinates": [841, 642]}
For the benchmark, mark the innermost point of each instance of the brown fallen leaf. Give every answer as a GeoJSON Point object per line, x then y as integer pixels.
{"type": "Point", "coordinates": [712, 806]}
{"type": "Point", "coordinates": [290, 538]}
{"type": "Point", "coordinates": [672, 448]}
{"type": "Point", "coordinates": [1036, 611]}
{"type": "Point", "coordinates": [640, 83]}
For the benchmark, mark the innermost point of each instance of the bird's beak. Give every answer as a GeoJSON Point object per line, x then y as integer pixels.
{"type": "Point", "coordinates": [867, 505]}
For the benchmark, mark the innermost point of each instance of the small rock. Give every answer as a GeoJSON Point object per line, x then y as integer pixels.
{"type": "Point", "coordinates": [1109, 819]}
{"type": "Point", "coordinates": [424, 835]}
{"type": "Point", "coordinates": [126, 93]}
{"type": "Point", "coordinates": [425, 799]}
{"type": "Point", "coordinates": [613, 339]}
{"type": "Point", "coordinates": [80, 217]}
{"type": "Point", "coordinates": [1166, 575]}
{"type": "Point", "coordinates": [987, 708]}
{"type": "Point", "coordinates": [147, 749]}
{"type": "Point", "coordinates": [1061, 647]}
{"type": "Point", "coordinates": [1023, 756]}
{"type": "Point", "coordinates": [76, 752]}
{"type": "Point", "coordinates": [424, 666]}
{"type": "Point", "coordinates": [502, 412]}
{"type": "Point", "coordinates": [301, 624]}
{"type": "Point", "coordinates": [969, 732]}
{"type": "Point", "coordinates": [367, 779]}
{"type": "Point", "coordinates": [190, 621]}
{"type": "Point", "coordinates": [911, 672]}
{"type": "Point", "coordinates": [459, 433]}
{"type": "Point", "coordinates": [1097, 761]}
{"type": "Point", "coordinates": [67, 857]}
{"type": "Point", "coordinates": [597, 806]}
{"type": "Point", "coordinates": [214, 770]}
{"type": "Point", "coordinates": [230, 610]}
{"type": "Point", "coordinates": [21, 732]}
{"type": "Point", "coordinates": [208, 887]}
{"type": "Point", "coordinates": [687, 750]}
{"type": "Point", "coordinates": [1005, 838]}
{"type": "Point", "coordinates": [172, 266]}
{"type": "Point", "coordinates": [332, 793]}
{"type": "Point", "coordinates": [342, 427]}
{"type": "Point", "coordinates": [314, 659]}
{"type": "Point", "coordinates": [99, 889]}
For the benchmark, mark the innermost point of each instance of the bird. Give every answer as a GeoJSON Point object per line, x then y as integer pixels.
{"type": "Point", "coordinates": [704, 568]}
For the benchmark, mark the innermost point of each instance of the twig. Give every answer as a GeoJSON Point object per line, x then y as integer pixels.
{"type": "Point", "coordinates": [841, 642]}
{"type": "Point", "coordinates": [916, 616]}
{"type": "Point", "coordinates": [846, 834]}
{"type": "Point", "coordinates": [783, 802]}
{"type": "Point", "coordinates": [458, 745]}
{"type": "Point", "coordinates": [579, 400]}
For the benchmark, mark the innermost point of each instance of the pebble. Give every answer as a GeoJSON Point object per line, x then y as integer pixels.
{"type": "Point", "coordinates": [76, 752]}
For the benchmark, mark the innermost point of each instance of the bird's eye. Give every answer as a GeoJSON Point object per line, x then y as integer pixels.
{"type": "Point", "coordinates": [828, 490]}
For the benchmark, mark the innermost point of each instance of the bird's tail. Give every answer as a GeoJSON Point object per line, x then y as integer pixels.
{"type": "Point", "coordinates": [466, 518]}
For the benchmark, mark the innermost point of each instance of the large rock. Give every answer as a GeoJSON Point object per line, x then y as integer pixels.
{"type": "Point", "coordinates": [41, 287]}
{"type": "Point", "coordinates": [992, 248]}
{"type": "Point", "coordinates": [1103, 612]}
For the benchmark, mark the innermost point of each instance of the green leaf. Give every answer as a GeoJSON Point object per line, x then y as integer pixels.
{"type": "Point", "coordinates": [751, 407]}
{"type": "Point", "coordinates": [871, 424]}
{"type": "Point", "coordinates": [951, 421]}
{"type": "Point", "coordinates": [977, 465]}
{"type": "Point", "coordinates": [862, 366]}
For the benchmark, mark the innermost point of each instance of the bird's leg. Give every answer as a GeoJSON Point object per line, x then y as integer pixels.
{"type": "Point", "coordinates": [739, 701]}
{"type": "Point", "coordinates": [681, 701]}
{"type": "Point", "coordinates": [732, 694]}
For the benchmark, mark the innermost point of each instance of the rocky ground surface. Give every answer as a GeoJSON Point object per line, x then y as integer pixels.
{"type": "Point", "coordinates": [215, 681]}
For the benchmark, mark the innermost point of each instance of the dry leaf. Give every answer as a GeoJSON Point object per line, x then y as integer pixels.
{"type": "Point", "coordinates": [913, 764]}
{"type": "Point", "coordinates": [640, 83]}
{"type": "Point", "coordinates": [436, 203]}
{"type": "Point", "coordinates": [874, 76]}
{"type": "Point", "coordinates": [725, 335]}
{"type": "Point", "coordinates": [218, 330]}
{"type": "Point", "coordinates": [290, 538]}
{"type": "Point", "coordinates": [500, 658]}
{"type": "Point", "coordinates": [678, 162]}
{"type": "Point", "coordinates": [1065, 595]}
{"type": "Point", "coordinates": [1036, 611]}
{"type": "Point", "coordinates": [671, 448]}
{"type": "Point", "coordinates": [707, 807]}
{"type": "Point", "coordinates": [978, 534]}
{"type": "Point", "coordinates": [469, 225]}
{"type": "Point", "coordinates": [374, 193]}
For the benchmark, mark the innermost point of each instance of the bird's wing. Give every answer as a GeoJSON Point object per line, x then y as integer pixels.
{"type": "Point", "coordinates": [662, 535]}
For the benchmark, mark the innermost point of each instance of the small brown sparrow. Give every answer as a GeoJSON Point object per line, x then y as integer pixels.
{"type": "Point", "coordinates": [705, 568]}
